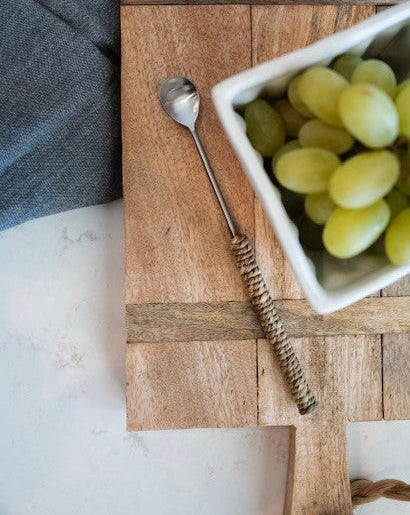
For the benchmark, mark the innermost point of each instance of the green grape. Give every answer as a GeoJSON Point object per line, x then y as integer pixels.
{"type": "Point", "coordinates": [403, 108]}
{"type": "Point", "coordinates": [306, 170]}
{"type": "Point", "coordinates": [319, 206]}
{"type": "Point", "coordinates": [346, 64]}
{"type": "Point", "coordinates": [364, 178]}
{"type": "Point", "coordinates": [378, 73]}
{"type": "Point", "coordinates": [369, 115]}
{"type": "Point", "coordinates": [294, 98]}
{"type": "Point", "coordinates": [350, 231]}
{"type": "Point", "coordinates": [292, 118]}
{"type": "Point", "coordinates": [402, 86]}
{"type": "Point", "coordinates": [316, 133]}
{"type": "Point", "coordinates": [397, 202]}
{"type": "Point", "coordinates": [397, 239]}
{"type": "Point", "coordinates": [403, 184]}
{"type": "Point", "coordinates": [310, 234]}
{"type": "Point", "coordinates": [264, 126]}
{"type": "Point", "coordinates": [287, 147]}
{"type": "Point", "coordinates": [320, 88]}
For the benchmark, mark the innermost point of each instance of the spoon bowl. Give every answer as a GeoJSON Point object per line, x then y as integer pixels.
{"type": "Point", "coordinates": [179, 97]}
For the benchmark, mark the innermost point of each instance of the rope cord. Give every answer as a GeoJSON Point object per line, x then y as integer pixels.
{"type": "Point", "coordinates": [364, 490]}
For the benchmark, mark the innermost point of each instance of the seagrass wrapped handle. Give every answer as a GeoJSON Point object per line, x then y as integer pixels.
{"type": "Point", "coordinates": [272, 326]}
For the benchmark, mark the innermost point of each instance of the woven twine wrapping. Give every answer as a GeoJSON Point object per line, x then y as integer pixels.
{"type": "Point", "coordinates": [272, 326]}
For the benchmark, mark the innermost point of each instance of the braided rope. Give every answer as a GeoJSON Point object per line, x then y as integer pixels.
{"type": "Point", "coordinates": [364, 491]}
{"type": "Point", "coordinates": [271, 325]}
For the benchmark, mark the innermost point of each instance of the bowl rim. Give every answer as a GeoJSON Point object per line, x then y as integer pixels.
{"type": "Point", "coordinates": [321, 299]}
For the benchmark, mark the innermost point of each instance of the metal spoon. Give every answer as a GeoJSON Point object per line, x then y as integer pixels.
{"type": "Point", "coordinates": [180, 99]}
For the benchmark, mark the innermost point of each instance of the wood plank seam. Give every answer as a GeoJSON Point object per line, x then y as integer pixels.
{"type": "Point", "coordinates": [376, 3]}
{"type": "Point", "coordinates": [236, 320]}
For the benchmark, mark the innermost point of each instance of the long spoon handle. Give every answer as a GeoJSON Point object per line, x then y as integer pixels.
{"type": "Point", "coordinates": [262, 301]}
{"type": "Point", "coordinates": [272, 326]}
{"type": "Point", "coordinates": [214, 183]}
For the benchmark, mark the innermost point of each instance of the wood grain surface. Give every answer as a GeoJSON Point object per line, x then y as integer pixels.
{"type": "Point", "coordinates": [193, 359]}
{"type": "Point", "coordinates": [191, 384]}
{"type": "Point", "coordinates": [396, 362]}
{"type": "Point", "coordinates": [345, 374]}
{"type": "Point", "coordinates": [339, 369]}
{"type": "Point", "coordinates": [177, 244]}
{"type": "Point", "coordinates": [172, 322]}
{"type": "Point", "coordinates": [173, 220]}
{"type": "Point", "coordinates": [261, 2]}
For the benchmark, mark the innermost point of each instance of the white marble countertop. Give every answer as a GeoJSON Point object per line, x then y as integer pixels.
{"type": "Point", "coordinates": [64, 449]}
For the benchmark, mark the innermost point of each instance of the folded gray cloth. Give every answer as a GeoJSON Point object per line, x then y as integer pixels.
{"type": "Point", "coordinates": [59, 106]}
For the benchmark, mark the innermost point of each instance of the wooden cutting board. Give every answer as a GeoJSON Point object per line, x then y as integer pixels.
{"type": "Point", "coordinates": [195, 357]}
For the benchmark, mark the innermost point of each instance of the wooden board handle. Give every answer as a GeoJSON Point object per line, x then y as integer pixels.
{"type": "Point", "coordinates": [318, 478]}
{"type": "Point", "coordinates": [272, 326]}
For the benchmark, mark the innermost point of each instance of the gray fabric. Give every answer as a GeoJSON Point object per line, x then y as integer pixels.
{"type": "Point", "coordinates": [59, 106]}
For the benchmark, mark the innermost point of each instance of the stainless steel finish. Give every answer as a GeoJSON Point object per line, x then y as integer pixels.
{"type": "Point", "coordinates": [180, 100]}
{"type": "Point", "coordinates": [214, 184]}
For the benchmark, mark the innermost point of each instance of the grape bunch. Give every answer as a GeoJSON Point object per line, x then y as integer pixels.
{"type": "Point", "coordinates": [337, 147]}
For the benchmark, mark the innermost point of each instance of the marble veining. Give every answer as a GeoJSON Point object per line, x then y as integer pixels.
{"type": "Point", "coordinates": [63, 444]}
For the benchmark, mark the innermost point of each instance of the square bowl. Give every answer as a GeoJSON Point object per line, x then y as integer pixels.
{"type": "Point", "coordinates": [328, 283]}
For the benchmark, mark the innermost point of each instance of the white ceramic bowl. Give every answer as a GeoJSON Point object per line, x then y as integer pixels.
{"type": "Point", "coordinates": [330, 284]}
